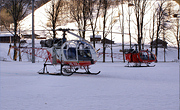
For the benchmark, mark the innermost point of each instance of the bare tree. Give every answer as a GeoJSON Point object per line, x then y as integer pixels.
{"type": "Point", "coordinates": [121, 21]}
{"type": "Point", "coordinates": [54, 14]}
{"type": "Point", "coordinates": [107, 28]}
{"type": "Point", "coordinates": [162, 13]}
{"type": "Point", "coordinates": [129, 14]}
{"type": "Point", "coordinates": [5, 19]}
{"type": "Point", "coordinates": [122, 28]}
{"type": "Point", "coordinates": [79, 11]}
{"type": "Point", "coordinates": [94, 7]}
{"type": "Point", "coordinates": [152, 33]}
{"type": "Point", "coordinates": [104, 8]}
{"type": "Point", "coordinates": [140, 8]}
{"type": "Point", "coordinates": [176, 29]}
{"type": "Point", "coordinates": [17, 10]}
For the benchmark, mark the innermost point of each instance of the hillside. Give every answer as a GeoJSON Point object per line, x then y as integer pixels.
{"type": "Point", "coordinates": [4, 15]}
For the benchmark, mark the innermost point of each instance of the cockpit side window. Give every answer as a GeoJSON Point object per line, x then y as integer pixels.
{"type": "Point", "coordinates": [84, 52]}
{"type": "Point", "coordinates": [144, 55]}
{"type": "Point", "coordinates": [151, 56]}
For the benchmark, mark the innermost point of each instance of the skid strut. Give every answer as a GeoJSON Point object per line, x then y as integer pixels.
{"type": "Point", "coordinates": [63, 71]}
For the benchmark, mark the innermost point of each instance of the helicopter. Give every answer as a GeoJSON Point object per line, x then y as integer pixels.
{"type": "Point", "coordinates": [139, 57]}
{"type": "Point", "coordinates": [71, 55]}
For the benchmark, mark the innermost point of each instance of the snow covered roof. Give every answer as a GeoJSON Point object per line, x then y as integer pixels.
{"type": "Point", "coordinates": [6, 35]}
{"type": "Point", "coordinates": [96, 36]}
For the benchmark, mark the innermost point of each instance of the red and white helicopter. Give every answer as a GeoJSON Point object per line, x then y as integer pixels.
{"type": "Point", "coordinates": [139, 57]}
{"type": "Point", "coordinates": [70, 55]}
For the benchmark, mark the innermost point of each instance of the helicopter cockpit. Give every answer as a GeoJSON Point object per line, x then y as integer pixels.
{"type": "Point", "coordinates": [147, 55]}
{"type": "Point", "coordinates": [79, 50]}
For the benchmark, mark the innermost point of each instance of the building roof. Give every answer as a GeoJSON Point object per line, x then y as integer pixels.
{"type": "Point", "coordinates": [6, 35]}
{"type": "Point", "coordinates": [96, 36]}
{"type": "Point", "coordinates": [159, 41]}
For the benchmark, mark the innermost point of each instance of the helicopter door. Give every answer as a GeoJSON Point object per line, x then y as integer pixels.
{"type": "Point", "coordinates": [70, 51]}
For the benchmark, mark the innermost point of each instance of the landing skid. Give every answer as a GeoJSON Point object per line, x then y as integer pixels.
{"type": "Point", "coordinates": [139, 65]}
{"type": "Point", "coordinates": [67, 70]}
{"type": "Point", "coordinates": [88, 73]}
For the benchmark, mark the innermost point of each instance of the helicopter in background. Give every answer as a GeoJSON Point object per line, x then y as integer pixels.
{"type": "Point", "coordinates": [139, 57]}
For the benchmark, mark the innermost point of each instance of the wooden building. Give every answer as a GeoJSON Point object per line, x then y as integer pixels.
{"type": "Point", "coordinates": [29, 36]}
{"type": "Point", "coordinates": [161, 43]}
{"type": "Point", "coordinates": [6, 38]}
{"type": "Point", "coordinates": [107, 41]}
{"type": "Point", "coordinates": [97, 38]}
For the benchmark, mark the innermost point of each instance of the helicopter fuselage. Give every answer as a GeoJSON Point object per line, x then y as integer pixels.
{"type": "Point", "coordinates": [73, 53]}
{"type": "Point", "coordinates": [144, 56]}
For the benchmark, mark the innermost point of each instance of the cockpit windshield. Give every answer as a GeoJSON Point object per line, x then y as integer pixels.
{"type": "Point", "coordinates": [147, 55]}
{"type": "Point", "coordinates": [77, 50]}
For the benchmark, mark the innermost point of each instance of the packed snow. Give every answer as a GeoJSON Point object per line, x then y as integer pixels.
{"type": "Point", "coordinates": [115, 88]}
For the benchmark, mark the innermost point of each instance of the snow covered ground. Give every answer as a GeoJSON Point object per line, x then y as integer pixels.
{"type": "Point", "coordinates": [115, 88]}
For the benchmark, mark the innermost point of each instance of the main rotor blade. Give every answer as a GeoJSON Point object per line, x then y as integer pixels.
{"type": "Point", "coordinates": [98, 31]}
{"type": "Point", "coordinates": [61, 29]}
{"type": "Point", "coordinates": [76, 35]}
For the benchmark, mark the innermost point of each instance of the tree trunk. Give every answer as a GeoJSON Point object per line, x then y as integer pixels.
{"type": "Point", "coordinates": [15, 41]}
{"type": "Point", "coordinates": [157, 37]}
{"type": "Point", "coordinates": [94, 39]}
{"type": "Point", "coordinates": [123, 30]}
{"type": "Point", "coordinates": [104, 26]}
{"type": "Point", "coordinates": [178, 49]}
{"type": "Point", "coordinates": [54, 27]}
